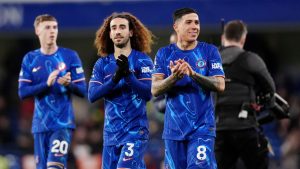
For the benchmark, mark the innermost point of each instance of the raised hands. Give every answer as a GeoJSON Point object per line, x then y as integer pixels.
{"type": "Point", "coordinates": [52, 77]}
{"type": "Point", "coordinates": [122, 62]}
{"type": "Point", "coordinates": [65, 80]}
{"type": "Point", "coordinates": [179, 68]}
{"type": "Point", "coordinates": [123, 68]}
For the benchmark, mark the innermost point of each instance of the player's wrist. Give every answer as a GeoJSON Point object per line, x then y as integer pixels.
{"type": "Point", "coordinates": [193, 73]}
{"type": "Point", "coordinates": [117, 77]}
{"type": "Point", "coordinates": [126, 72]}
{"type": "Point", "coordinates": [48, 84]}
{"type": "Point", "coordinates": [175, 77]}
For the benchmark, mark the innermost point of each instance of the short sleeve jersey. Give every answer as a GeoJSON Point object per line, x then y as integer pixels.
{"type": "Point", "coordinates": [189, 109]}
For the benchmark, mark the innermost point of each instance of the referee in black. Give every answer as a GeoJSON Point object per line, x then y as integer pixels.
{"type": "Point", "coordinates": [238, 134]}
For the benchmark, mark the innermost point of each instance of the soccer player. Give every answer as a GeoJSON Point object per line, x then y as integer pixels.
{"type": "Point", "coordinates": [187, 72]}
{"type": "Point", "coordinates": [50, 75]}
{"type": "Point", "coordinates": [122, 76]}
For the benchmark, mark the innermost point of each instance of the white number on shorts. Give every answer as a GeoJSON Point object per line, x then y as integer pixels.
{"type": "Point", "coordinates": [201, 155]}
{"type": "Point", "coordinates": [59, 147]}
{"type": "Point", "coordinates": [130, 146]}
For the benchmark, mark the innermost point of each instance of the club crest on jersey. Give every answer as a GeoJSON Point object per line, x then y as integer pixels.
{"type": "Point", "coordinates": [201, 63]}
{"type": "Point", "coordinates": [61, 66]}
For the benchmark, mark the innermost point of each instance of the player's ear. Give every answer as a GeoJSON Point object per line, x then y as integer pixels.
{"type": "Point", "coordinates": [37, 30]}
{"type": "Point", "coordinates": [222, 39]}
{"type": "Point", "coordinates": [110, 36]}
{"type": "Point", "coordinates": [175, 26]}
{"type": "Point", "coordinates": [130, 33]}
{"type": "Point", "coordinates": [243, 40]}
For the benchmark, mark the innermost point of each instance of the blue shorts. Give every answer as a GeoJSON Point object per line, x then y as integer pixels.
{"type": "Point", "coordinates": [51, 148]}
{"type": "Point", "coordinates": [190, 154]}
{"type": "Point", "coordinates": [129, 155]}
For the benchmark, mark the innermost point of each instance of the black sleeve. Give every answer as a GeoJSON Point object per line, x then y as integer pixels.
{"type": "Point", "coordinates": [257, 67]}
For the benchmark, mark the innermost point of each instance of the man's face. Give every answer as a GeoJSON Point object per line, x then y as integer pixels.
{"type": "Point", "coordinates": [119, 32]}
{"type": "Point", "coordinates": [188, 27]}
{"type": "Point", "coordinates": [47, 32]}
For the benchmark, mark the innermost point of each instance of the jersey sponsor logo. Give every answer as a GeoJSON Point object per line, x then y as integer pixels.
{"type": "Point", "coordinates": [201, 63]}
{"type": "Point", "coordinates": [79, 70]}
{"type": "Point", "coordinates": [127, 159]}
{"type": "Point", "coordinates": [146, 69]}
{"type": "Point", "coordinates": [61, 66]}
{"type": "Point", "coordinates": [216, 66]}
{"type": "Point", "coordinates": [35, 69]}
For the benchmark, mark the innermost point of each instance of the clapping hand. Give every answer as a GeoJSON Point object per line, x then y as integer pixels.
{"type": "Point", "coordinates": [65, 80]}
{"type": "Point", "coordinates": [179, 68]}
{"type": "Point", "coordinates": [52, 77]}
{"type": "Point", "coordinates": [123, 64]}
{"type": "Point", "coordinates": [122, 70]}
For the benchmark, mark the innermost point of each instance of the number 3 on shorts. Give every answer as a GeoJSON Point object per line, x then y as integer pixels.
{"type": "Point", "coordinates": [59, 147]}
{"type": "Point", "coordinates": [201, 155]}
{"type": "Point", "coordinates": [130, 146]}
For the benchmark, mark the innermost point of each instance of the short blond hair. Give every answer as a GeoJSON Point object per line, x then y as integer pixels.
{"type": "Point", "coordinates": [42, 18]}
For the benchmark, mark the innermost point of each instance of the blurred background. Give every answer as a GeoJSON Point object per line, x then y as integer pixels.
{"type": "Point", "coordinates": [274, 33]}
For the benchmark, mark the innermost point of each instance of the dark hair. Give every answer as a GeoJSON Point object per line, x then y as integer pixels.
{"type": "Point", "coordinates": [182, 11]}
{"type": "Point", "coordinates": [44, 17]}
{"type": "Point", "coordinates": [141, 40]}
{"type": "Point", "coordinates": [234, 30]}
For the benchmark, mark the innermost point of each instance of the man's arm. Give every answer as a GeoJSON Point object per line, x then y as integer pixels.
{"type": "Point", "coordinates": [77, 86]}
{"type": "Point", "coordinates": [262, 76]}
{"type": "Point", "coordinates": [98, 90]}
{"type": "Point", "coordinates": [28, 90]}
{"type": "Point", "coordinates": [161, 85]}
{"type": "Point", "coordinates": [31, 90]}
{"type": "Point", "coordinates": [213, 83]}
{"type": "Point", "coordinates": [142, 87]}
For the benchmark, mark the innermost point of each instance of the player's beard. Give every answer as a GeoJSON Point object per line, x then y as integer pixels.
{"type": "Point", "coordinates": [122, 45]}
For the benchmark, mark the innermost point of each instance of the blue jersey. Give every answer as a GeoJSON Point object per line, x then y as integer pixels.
{"type": "Point", "coordinates": [125, 102]}
{"type": "Point", "coordinates": [189, 110]}
{"type": "Point", "coordinates": [53, 108]}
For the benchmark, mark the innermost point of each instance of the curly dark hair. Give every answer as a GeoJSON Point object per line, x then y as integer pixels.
{"type": "Point", "coordinates": [141, 40]}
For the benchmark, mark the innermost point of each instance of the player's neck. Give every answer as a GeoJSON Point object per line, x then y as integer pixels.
{"type": "Point", "coordinates": [184, 45]}
{"type": "Point", "coordinates": [49, 49]}
{"type": "Point", "coordinates": [233, 43]}
{"type": "Point", "coordinates": [126, 50]}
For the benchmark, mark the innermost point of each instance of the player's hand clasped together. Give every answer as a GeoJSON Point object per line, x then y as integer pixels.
{"type": "Point", "coordinates": [123, 68]}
